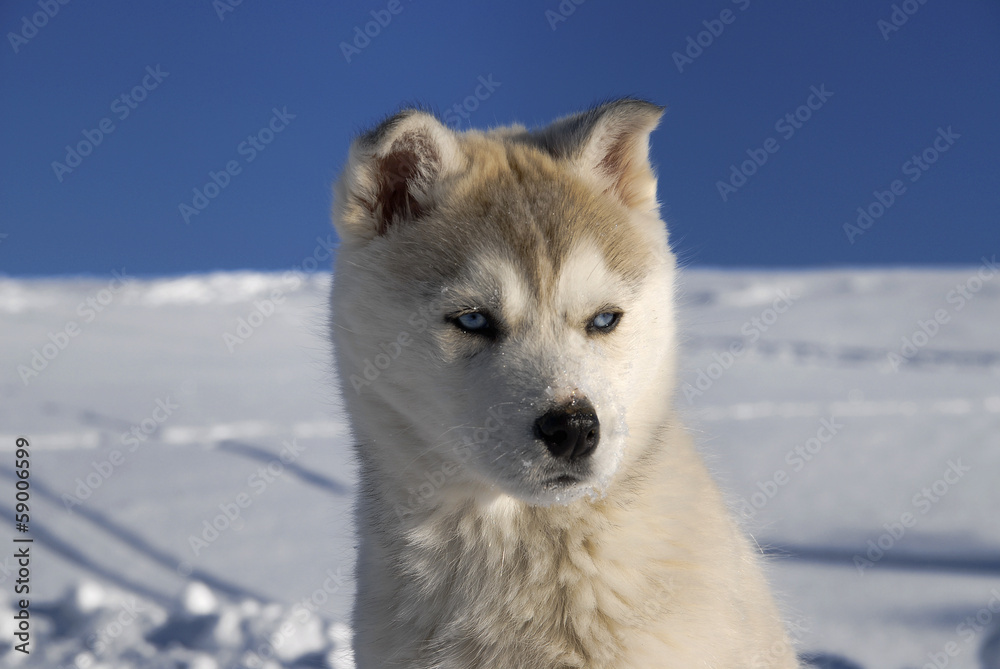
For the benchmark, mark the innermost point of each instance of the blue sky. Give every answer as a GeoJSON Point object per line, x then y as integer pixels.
{"type": "Point", "coordinates": [893, 106]}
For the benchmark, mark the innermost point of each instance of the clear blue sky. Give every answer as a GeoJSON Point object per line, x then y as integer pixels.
{"type": "Point", "coordinates": [211, 83]}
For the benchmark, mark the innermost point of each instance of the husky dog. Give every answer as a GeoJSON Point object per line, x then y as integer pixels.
{"type": "Point", "coordinates": [504, 331]}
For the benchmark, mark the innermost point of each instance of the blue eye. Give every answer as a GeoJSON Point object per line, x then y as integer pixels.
{"type": "Point", "coordinates": [606, 321]}
{"type": "Point", "coordinates": [474, 322]}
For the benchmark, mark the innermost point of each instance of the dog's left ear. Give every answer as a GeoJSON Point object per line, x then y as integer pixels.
{"type": "Point", "coordinates": [393, 175]}
{"type": "Point", "coordinates": [610, 143]}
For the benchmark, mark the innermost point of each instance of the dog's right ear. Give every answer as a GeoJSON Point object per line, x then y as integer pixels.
{"type": "Point", "coordinates": [610, 143]}
{"type": "Point", "coordinates": [392, 175]}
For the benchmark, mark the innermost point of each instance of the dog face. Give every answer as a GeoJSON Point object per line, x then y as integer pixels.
{"type": "Point", "coordinates": [503, 301]}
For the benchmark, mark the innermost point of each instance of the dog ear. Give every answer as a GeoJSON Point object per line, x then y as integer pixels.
{"type": "Point", "coordinates": [610, 143]}
{"type": "Point", "coordinates": [392, 174]}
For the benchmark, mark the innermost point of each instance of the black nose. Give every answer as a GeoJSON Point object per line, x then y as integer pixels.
{"type": "Point", "coordinates": [571, 432]}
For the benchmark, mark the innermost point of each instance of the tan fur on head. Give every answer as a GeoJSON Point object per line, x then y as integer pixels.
{"type": "Point", "coordinates": [479, 545]}
{"type": "Point", "coordinates": [392, 171]}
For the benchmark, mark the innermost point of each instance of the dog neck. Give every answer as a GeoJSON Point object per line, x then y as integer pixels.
{"type": "Point", "coordinates": [455, 565]}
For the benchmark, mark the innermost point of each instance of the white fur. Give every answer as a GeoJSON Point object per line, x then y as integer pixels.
{"type": "Point", "coordinates": [473, 552]}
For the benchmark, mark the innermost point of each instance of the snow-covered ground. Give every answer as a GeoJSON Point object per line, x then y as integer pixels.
{"type": "Point", "coordinates": [191, 478]}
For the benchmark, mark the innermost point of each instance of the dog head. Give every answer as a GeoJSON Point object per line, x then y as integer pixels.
{"type": "Point", "coordinates": [502, 302]}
